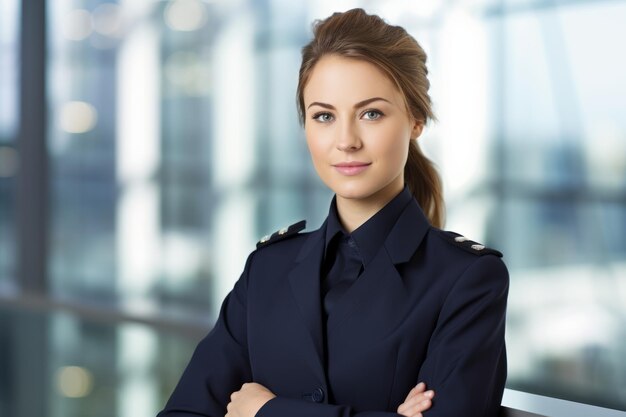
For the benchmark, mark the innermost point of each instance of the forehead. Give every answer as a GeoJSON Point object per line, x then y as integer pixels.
{"type": "Point", "coordinates": [338, 80]}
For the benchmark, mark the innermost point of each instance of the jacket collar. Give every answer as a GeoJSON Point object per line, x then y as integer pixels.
{"type": "Point", "coordinates": [400, 244]}
{"type": "Point", "coordinates": [371, 235]}
{"type": "Point", "coordinates": [407, 234]}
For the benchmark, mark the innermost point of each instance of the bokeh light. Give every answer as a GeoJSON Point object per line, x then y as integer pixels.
{"type": "Point", "coordinates": [107, 20]}
{"type": "Point", "coordinates": [185, 15]}
{"type": "Point", "coordinates": [74, 381]}
{"type": "Point", "coordinates": [78, 25]}
{"type": "Point", "coordinates": [78, 117]}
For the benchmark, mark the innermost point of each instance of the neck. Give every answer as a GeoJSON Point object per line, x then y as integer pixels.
{"type": "Point", "coordinates": [353, 212]}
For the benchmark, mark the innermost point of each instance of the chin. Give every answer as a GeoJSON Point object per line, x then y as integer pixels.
{"type": "Point", "coordinates": [353, 191]}
{"type": "Point", "coordinates": [367, 188]}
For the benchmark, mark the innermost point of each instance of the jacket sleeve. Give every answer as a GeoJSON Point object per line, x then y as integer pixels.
{"type": "Point", "coordinates": [219, 365]}
{"type": "Point", "coordinates": [466, 358]}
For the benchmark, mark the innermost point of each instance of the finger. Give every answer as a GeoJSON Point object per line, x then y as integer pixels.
{"type": "Point", "coordinates": [421, 396]}
{"type": "Point", "coordinates": [229, 410]}
{"type": "Point", "coordinates": [414, 401]}
{"type": "Point", "coordinates": [413, 406]}
{"type": "Point", "coordinates": [416, 389]}
{"type": "Point", "coordinates": [411, 414]}
{"type": "Point", "coordinates": [416, 395]}
{"type": "Point", "coordinates": [418, 408]}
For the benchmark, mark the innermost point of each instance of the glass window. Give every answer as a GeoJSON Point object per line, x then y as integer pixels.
{"type": "Point", "coordinates": [9, 160]}
{"type": "Point", "coordinates": [170, 135]}
{"type": "Point", "coordinates": [74, 367]}
{"type": "Point", "coordinates": [562, 207]}
{"type": "Point", "coordinates": [130, 95]}
{"type": "Point", "coordinates": [531, 144]}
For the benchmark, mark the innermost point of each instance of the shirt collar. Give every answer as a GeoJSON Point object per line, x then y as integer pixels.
{"type": "Point", "coordinates": [370, 236]}
{"type": "Point", "coordinates": [333, 225]}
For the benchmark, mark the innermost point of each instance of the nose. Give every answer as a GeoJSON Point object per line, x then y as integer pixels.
{"type": "Point", "coordinates": [348, 139]}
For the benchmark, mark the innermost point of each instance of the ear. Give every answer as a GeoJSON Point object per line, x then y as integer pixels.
{"type": "Point", "coordinates": [417, 129]}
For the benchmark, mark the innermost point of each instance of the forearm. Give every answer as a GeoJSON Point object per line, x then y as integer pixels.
{"type": "Point", "coordinates": [466, 362]}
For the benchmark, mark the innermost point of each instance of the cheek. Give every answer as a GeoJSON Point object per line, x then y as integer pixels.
{"type": "Point", "coordinates": [394, 149]}
{"type": "Point", "coordinates": [317, 140]}
{"type": "Point", "coordinates": [396, 157]}
{"type": "Point", "coordinates": [315, 147]}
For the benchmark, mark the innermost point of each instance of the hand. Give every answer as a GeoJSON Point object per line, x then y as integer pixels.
{"type": "Point", "coordinates": [248, 400]}
{"type": "Point", "coordinates": [417, 401]}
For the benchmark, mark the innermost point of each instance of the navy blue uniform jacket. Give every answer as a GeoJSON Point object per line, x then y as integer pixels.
{"type": "Point", "coordinates": [427, 308]}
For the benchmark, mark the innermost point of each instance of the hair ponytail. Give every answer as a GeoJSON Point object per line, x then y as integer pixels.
{"type": "Point", "coordinates": [424, 181]}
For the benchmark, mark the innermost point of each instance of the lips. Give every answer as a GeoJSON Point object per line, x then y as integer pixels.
{"type": "Point", "coordinates": [352, 167]}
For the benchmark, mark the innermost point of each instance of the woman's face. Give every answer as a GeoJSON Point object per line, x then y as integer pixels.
{"type": "Point", "coordinates": [357, 129]}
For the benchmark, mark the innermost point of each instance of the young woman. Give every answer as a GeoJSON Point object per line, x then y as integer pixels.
{"type": "Point", "coordinates": [378, 309]}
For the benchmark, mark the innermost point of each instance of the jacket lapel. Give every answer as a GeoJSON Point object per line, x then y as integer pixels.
{"type": "Point", "coordinates": [304, 279]}
{"type": "Point", "coordinates": [376, 301]}
{"type": "Point", "coordinates": [378, 298]}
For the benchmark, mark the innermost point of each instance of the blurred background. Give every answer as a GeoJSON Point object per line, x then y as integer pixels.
{"type": "Point", "coordinates": [146, 145]}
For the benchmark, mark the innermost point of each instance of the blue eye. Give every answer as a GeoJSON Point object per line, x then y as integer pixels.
{"type": "Point", "coordinates": [322, 117]}
{"type": "Point", "coordinates": [373, 114]}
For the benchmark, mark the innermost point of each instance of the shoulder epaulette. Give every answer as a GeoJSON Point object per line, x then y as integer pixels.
{"type": "Point", "coordinates": [469, 245]}
{"type": "Point", "coordinates": [281, 234]}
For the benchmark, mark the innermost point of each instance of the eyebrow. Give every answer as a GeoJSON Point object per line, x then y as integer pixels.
{"type": "Point", "coordinates": [356, 106]}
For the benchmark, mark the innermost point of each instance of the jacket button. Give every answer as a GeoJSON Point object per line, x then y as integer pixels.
{"type": "Point", "coordinates": [318, 395]}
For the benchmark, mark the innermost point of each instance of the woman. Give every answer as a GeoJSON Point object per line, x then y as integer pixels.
{"type": "Point", "coordinates": [377, 310]}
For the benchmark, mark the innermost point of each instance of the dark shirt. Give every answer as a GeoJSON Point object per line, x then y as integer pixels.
{"type": "Point", "coordinates": [346, 255]}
